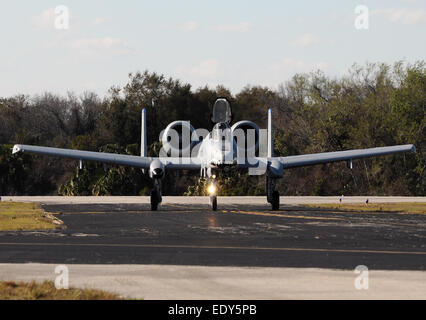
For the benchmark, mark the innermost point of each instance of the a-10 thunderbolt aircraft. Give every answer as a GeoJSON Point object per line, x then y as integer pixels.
{"type": "Point", "coordinates": [222, 149]}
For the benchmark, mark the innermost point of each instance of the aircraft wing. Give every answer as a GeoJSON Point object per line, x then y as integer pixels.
{"type": "Point", "coordinates": [111, 158]}
{"type": "Point", "coordinates": [319, 158]}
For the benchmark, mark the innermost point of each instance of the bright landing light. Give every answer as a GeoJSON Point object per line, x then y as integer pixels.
{"type": "Point", "coordinates": [211, 189]}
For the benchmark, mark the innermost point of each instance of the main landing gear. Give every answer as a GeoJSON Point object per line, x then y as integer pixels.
{"type": "Point", "coordinates": [272, 194]}
{"type": "Point", "coordinates": [156, 197]}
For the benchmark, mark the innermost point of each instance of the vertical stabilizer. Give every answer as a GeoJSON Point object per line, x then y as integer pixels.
{"type": "Point", "coordinates": [143, 134]}
{"type": "Point", "coordinates": [270, 135]}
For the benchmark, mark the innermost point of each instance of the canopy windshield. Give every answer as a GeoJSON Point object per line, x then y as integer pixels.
{"type": "Point", "coordinates": [222, 111]}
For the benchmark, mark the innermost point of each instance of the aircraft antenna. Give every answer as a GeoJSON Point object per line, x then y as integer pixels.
{"type": "Point", "coordinates": [270, 135]}
{"type": "Point", "coordinates": [143, 134]}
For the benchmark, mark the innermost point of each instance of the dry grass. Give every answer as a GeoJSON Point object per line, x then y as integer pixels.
{"type": "Point", "coordinates": [46, 291]}
{"type": "Point", "coordinates": [400, 207]}
{"type": "Point", "coordinates": [24, 216]}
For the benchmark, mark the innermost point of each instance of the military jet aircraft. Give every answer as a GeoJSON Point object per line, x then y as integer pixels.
{"type": "Point", "coordinates": [185, 148]}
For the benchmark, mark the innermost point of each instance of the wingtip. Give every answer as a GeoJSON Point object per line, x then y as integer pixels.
{"type": "Point", "coordinates": [413, 148]}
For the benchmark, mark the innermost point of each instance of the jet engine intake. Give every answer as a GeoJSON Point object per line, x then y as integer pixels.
{"type": "Point", "coordinates": [246, 135]}
{"type": "Point", "coordinates": [179, 138]}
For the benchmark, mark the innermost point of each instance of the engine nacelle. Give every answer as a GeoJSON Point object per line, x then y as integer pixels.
{"type": "Point", "coordinates": [247, 136]}
{"type": "Point", "coordinates": [156, 170]}
{"type": "Point", "coordinates": [179, 138]}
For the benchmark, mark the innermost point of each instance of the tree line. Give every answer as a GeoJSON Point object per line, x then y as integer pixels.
{"type": "Point", "coordinates": [372, 105]}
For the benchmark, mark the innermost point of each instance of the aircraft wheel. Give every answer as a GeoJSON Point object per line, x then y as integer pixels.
{"type": "Point", "coordinates": [275, 200]}
{"type": "Point", "coordinates": [213, 202]}
{"type": "Point", "coordinates": [154, 200]}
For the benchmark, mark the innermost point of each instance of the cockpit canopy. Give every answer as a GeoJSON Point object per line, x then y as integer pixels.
{"type": "Point", "coordinates": [222, 112]}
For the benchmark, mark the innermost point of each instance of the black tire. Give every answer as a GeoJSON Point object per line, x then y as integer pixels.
{"type": "Point", "coordinates": [213, 201]}
{"type": "Point", "coordinates": [154, 200]}
{"type": "Point", "coordinates": [275, 200]}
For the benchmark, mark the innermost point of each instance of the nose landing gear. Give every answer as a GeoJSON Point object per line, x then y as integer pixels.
{"type": "Point", "coordinates": [213, 202]}
{"type": "Point", "coordinates": [212, 189]}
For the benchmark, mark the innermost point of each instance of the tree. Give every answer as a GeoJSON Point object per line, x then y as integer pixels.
{"type": "Point", "coordinates": [372, 105]}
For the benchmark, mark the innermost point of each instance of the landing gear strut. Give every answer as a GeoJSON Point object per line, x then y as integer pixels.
{"type": "Point", "coordinates": [156, 197]}
{"type": "Point", "coordinates": [272, 194]}
{"type": "Point", "coordinates": [213, 202]}
{"type": "Point", "coordinates": [275, 200]}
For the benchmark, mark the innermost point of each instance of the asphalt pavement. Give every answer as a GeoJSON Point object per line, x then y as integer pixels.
{"type": "Point", "coordinates": [237, 235]}
{"type": "Point", "coordinates": [242, 251]}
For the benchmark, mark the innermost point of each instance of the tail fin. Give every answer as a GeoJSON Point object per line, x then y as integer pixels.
{"type": "Point", "coordinates": [270, 135]}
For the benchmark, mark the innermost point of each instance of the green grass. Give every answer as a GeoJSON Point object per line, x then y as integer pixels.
{"type": "Point", "coordinates": [400, 207]}
{"type": "Point", "coordinates": [46, 291]}
{"type": "Point", "coordinates": [16, 216]}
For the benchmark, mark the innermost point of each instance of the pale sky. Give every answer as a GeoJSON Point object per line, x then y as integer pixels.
{"type": "Point", "coordinates": [233, 42]}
